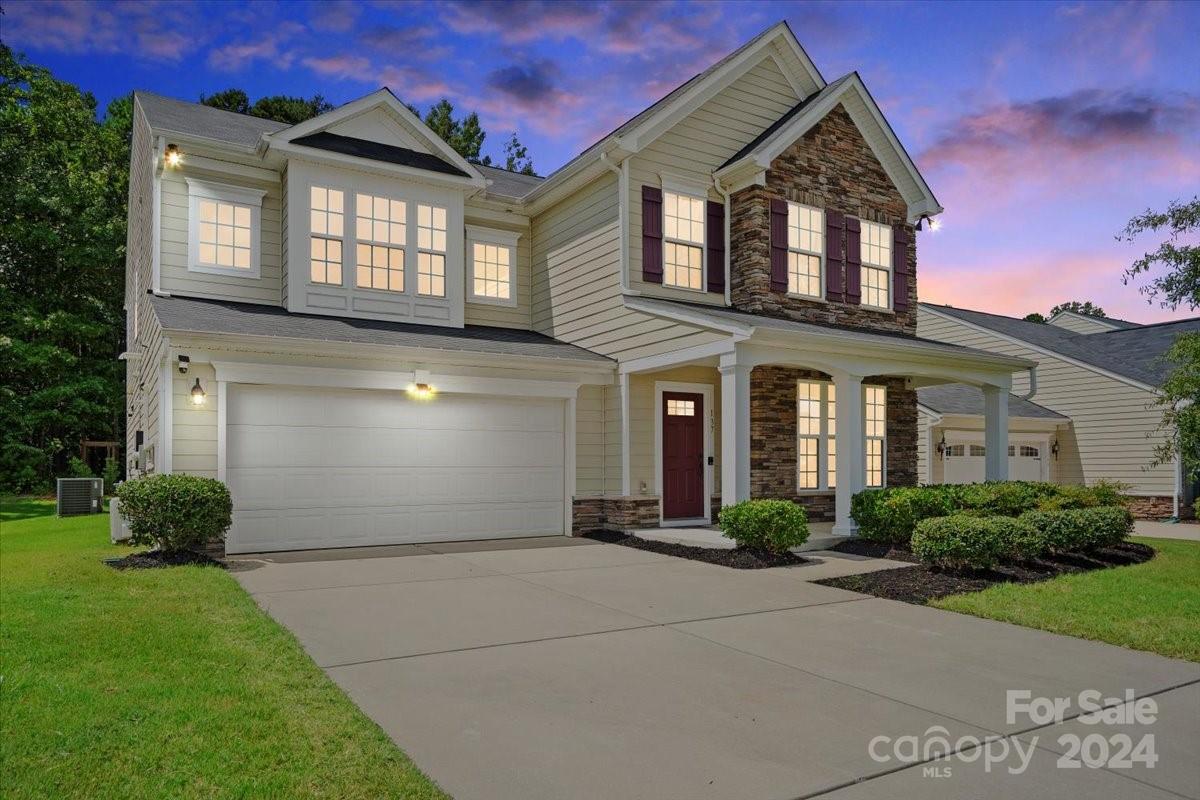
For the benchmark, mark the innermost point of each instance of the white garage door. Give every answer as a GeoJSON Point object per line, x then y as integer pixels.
{"type": "Point", "coordinates": [964, 462]}
{"type": "Point", "coordinates": [312, 468]}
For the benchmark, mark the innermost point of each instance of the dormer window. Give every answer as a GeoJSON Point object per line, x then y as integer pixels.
{"type": "Point", "coordinates": [224, 228]}
{"type": "Point", "coordinates": [382, 233]}
{"type": "Point", "coordinates": [431, 250]}
{"type": "Point", "coordinates": [327, 215]}
{"type": "Point", "coordinates": [683, 241]}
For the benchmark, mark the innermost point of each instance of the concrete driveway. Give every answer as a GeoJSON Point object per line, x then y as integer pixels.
{"type": "Point", "coordinates": [563, 668]}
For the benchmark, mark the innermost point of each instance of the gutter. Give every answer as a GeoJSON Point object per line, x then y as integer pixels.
{"type": "Point", "coordinates": [721, 190]}
{"type": "Point", "coordinates": [1033, 385]}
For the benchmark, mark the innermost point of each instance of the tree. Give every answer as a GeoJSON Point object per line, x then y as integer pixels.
{"type": "Point", "coordinates": [465, 135]}
{"type": "Point", "coordinates": [279, 107]}
{"type": "Point", "coordinates": [62, 262]}
{"type": "Point", "coordinates": [516, 157]}
{"type": "Point", "coordinates": [1180, 400]}
{"type": "Point", "coordinates": [1181, 282]}
{"type": "Point", "coordinates": [1035, 317]}
{"type": "Point", "coordinates": [1087, 308]}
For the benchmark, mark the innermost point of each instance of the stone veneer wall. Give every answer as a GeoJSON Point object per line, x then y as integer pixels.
{"type": "Point", "coordinates": [773, 437]}
{"type": "Point", "coordinates": [831, 167]}
{"type": "Point", "coordinates": [614, 513]}
{"type": "Point", "coordinates": [1157, 507]}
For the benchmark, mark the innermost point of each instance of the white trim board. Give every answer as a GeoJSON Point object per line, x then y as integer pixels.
{"type": "Point", "coordinates": [705, 390]}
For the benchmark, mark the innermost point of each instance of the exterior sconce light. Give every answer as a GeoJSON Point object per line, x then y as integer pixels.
{"type": "Point", "coordinates": [941, 447]}
{"type": "Point", "coordinates": [198, 394]}
{"type": "Point", "coordinates": [421, 391]}
{"type": "Point", "coordinates": [173, 156]}
{"type": "Point", "coordinates": [1054, 449]}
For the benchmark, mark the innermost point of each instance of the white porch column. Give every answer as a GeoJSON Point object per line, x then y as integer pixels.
{"type": "Point", "coordinates": [995, 433]}
{"type": "Point", "coordinates": [735, 430]}
{"type": "Point", "coordinates": [624, 387]}
{"type": "Point", "coordinates": [851, 450]}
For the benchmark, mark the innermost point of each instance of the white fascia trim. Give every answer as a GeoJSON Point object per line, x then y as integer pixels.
{"type": "Point", "coordinates": [935, 415]}
{"type": "Point", "coordinates": [678, 184]}
{"type": "Point", "coordinates": [328, 377]}
{"type": "Point", "coordinates": [679, 357]}
{"type": "Point", "coordinates": [185, 139]}
{"type": "Point", "coordinates": [1042, 350]}
{"type": "Point", "coordinates": [480, 233]}
{"type": "Point", "coordinates": [698, 319]}
{"type": "Point", "coordinates": [380, 97]}
{"type": "Point", "coordinates": [244, 195]}
{"type": "Point", "coordinates": [330, 158]}
{"type": "Point", "coordinates": [231, 168]}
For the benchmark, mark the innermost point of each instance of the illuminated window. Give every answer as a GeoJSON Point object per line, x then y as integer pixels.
{"type": "Point", "coordinates": [223, 228]}
{"type": "Point", "coordinates": [876, 251]}
{"type": "Point", "coordinates": [381, 232]}
{"type": "Point", "coordinates": [431, 250]}
{"type": "Point", "coordinates": [326, 228]}
{"type": "Point", "coordinates": [492, 262]}
{"type": "Point", "coordinates": [683, 241]}
{"type": "Point", "coordinates": [681, 408]}
{"type": "Point", "coordinates": [815, 419]}
{"type": "Point", "coordinates": [875, 425]}
{"type": "Point", "coordinates": [806, 244]}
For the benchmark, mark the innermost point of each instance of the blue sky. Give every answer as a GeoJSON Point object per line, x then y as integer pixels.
{"type": "Point", "coordinates": [1042, 127]}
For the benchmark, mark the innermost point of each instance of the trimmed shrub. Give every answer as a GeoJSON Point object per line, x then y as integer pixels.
{"type": "Point", "coordinates": [1081, 530]}
{"type": "Point", "coordinates": [962, 542]}
{"type": "Point", "coordinates": [175, 512]}
{"type": "Point", "coordinates": [774, 525]}
{"type": "Point", "coordinates": [891, 515]}
{"type": "Point", "coordinates": [1104, 493]}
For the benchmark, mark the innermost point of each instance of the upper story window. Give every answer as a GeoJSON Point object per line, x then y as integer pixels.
{"type": "Point", "coordinates": [876, 250]}
{"type": "Point", "coordinates": [816, 445]}
{"type": "Point", "coordinates": [327, 217]}
{"type": "Point", "coordinates": [806, 246]}
{"type": "Point", "coordinates": [431, 250]}
{"type": "Point", "coordinates": [875, 425]}
{"type": "Point", "coordinates": [683, 241]}
{"type": "Point", "coordinates": [224, 228]}
{"type": "Point", "coordinates": [381, 233]}
{"type": "Point", "coordinates": [492, 257]}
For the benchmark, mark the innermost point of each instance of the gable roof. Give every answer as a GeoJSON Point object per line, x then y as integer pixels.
{"type": "Point", "coordinates": [959, 398]}
{"type": "Point", "coordinates": [377, 151]}
{"type": "Point", "coordinates": [851, 93]}
{"type": "Point", "coordinates": [168, 115]}
{"type": "Point", "coordinates": [1109, 322]}
{"type": "Point", "coordinates": [1133, 353]}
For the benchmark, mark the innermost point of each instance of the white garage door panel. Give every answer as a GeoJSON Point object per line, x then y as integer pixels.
{"type": "Point", "coordinates": [312, 468]}
{"type": "Point", "coordinates": [970, 469]}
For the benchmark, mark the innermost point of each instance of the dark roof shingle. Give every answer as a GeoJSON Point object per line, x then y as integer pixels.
{"type": "Point", "coordinates": [958, 398]}
{"type": "Point", "coordinates": [378, 151]}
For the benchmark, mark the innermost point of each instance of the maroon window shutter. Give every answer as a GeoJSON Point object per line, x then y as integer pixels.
{"type": "Point", "coordinates": [779, 241]}
{"type": "Point", "coordinates": [652, 249]}
{"type": "Point", "coordinates": [899, 268]}
{"type": "Point", "coordinates": [716, 247]}
{"type": "Point", "coordinates": [853, 261]}
{"type": "Point", "coordinates": [835, 224]}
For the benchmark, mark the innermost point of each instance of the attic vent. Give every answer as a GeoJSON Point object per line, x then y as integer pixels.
{"type": "Point", "coordinates": [80, 496]}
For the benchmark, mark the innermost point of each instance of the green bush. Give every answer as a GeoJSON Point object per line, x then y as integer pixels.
{"type": "Point", "coordinates": [1081, 530]}
{"type": "Point", "coordinates": [891, 515]}
{"type": "Point", "coordinates": [774, 525]}
{"type": "Point", "coordinates": [111, 474]}
{"type": "Point", "coordinates": [175, 512]}
{"type": "Point", "coordinates": [78, 468]}
{"type": "Point", "coordinates": [963, 542]}
{"type": "Point", "coordinates": [1103, 493]}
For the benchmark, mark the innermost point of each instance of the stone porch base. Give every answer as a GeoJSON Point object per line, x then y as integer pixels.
{"type": "Point", "coordinates": [1156, 507]}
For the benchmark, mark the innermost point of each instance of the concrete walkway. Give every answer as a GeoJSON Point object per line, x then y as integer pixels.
{"type": "Point", "coordinates": [599, 671]}
{"type": "Point", "coordinates": [1167, 530]}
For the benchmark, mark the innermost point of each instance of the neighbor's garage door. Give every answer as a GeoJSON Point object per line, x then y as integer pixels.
{"type": "Point", "coordinates": [964, 462]}
{"type": "Point", "coordinates": [313, 468]}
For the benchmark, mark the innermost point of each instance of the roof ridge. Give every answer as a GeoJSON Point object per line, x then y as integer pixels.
{"type": "Point", "coordinates": [199, 104]}
{"type": "Point", "coordinates": [1141, 326]}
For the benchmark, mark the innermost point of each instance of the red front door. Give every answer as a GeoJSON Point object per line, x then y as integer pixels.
{"type": "Point", "coordinates": [683, 455]}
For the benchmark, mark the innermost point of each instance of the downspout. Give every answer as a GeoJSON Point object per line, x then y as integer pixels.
{"type": "Point", "coordinates": [728, 245]}
{"type": "Point", "coordinates": [622, 173]}
{"type": "Point", "coordinates": [1033, 387]}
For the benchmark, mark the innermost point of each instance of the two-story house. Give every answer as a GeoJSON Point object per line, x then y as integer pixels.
{"type": "Point", "coordinates": [373, 341]}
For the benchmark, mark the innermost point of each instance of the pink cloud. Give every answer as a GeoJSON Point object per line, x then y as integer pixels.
{"type": "Point", "coordinates": [338, 16]}
{"type": "Point", "coordinates": [341, 66]}
{"type": "Point", "coordinates": [151, 31]}
{"type": "Point", "coordinates": [272, 48]}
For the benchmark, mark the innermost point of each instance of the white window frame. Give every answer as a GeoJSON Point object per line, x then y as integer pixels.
{"type": "Point", "coordinates": [694, 191]}
{"type": "Point", "coordinates": [224, 193]}
{"type": "Point", "coordinates": [864, 265]}
{"type": "Point", "coordinates": [432, 250]}
{"type": "Point", "coordinates": [373, 242]}
{"type": "Point", "coordinates": [479, 235]}
{"type": "Point", "coordinates": [348, 218]}
{"type": "Point", "coordinates": [826, 478]}
{"type": "Point", "coordinates": [868, 438]}
{"type": "Point", "coordinates": [801, 251]}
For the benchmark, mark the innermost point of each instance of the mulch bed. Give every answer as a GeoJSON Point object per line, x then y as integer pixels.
{"type": "Point", "coordinates": [157, 559]}
{"type": "Point", "coordinates": [921, 583]}
{"type": "Point", "coordinates": [737, 557]}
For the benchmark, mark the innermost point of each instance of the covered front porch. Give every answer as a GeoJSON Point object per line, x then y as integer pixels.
{"type": "Point", "coordinates": [786, 410]}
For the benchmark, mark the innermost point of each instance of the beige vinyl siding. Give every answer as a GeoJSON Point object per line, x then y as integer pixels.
{"type": "Point", "coordinates": [500, 316]}
{"type": "Point", "coordinates": [699, 144]}
{"type": "Point", "coordinates": [283, 239]}
{"type": "Point", "coordinates": [146, 417]}
{"type": "Point", "coordinates": [589, 441]}
{"type": "Point", "coordinates": [612, 440]}
{"type": "Point", "coordinates": [577, 284]}
{"type": "Point", "coordinates": [194, 449]}
{"type": "Point", "coordinates": [175, 275]}
{"type": "Point", "coordinates": [1081, 324]}
{"type": "Point", "coordinates": [924, 423]}
{"type": "Point", "coordinates": [641, 423]}
{"type": "Point", "coordinates": [140, 328]}
{"type": "Point", "coordinates": [1112, 422]}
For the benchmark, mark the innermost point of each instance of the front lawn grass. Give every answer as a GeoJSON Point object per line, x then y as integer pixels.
{"type": "Point", "coordinates": [1153, 606]}
{"type": "Point", "coordinates": [163, 683]}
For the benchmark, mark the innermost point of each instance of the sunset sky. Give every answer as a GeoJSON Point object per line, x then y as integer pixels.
{"type": "Point", "coordinates": [1041, 127]}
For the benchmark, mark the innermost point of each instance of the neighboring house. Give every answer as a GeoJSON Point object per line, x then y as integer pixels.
{"type": "Point", "coordinates": [387, 344]}
{"type": "Point", "coordinates": [1094, 414]}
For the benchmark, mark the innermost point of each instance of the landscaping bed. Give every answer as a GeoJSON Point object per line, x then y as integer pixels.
{"type": "Point", "coordinates": [738, 557]}
{"type": "Point", "coordinates": [157, 559]}
{"type": "Point", "coordinates": [921, 583]}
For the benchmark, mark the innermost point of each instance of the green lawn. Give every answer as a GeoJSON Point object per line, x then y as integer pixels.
{"type": "Point", "coordinates": [163, 683]}
{"type": "Point", "coordinates": [1153, 606]}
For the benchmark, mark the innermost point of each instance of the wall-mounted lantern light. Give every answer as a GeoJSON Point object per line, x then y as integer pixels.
{"type": "Point", "coordinates": [1054, 449]}
{"type": "Point", "coordinates": [421, 391]}
{"type": "Point", "coordinates": [198, 394]}
{"type": "Point", "coordinates": [173, 156]}
{"type": "Point", "coordinates": [941, 446]}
